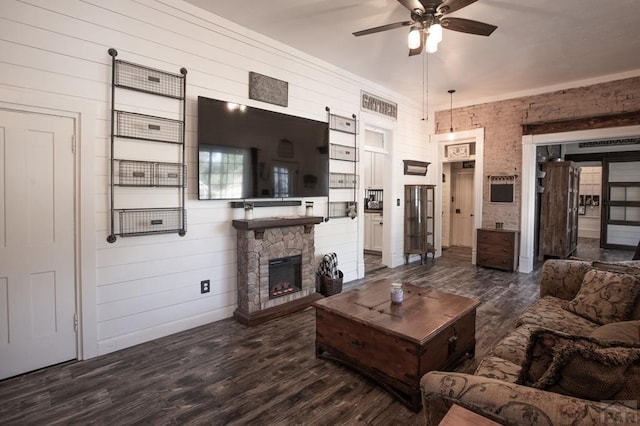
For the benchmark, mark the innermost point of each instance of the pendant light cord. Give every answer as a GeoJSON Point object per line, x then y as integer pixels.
{"type": "Point", "coordinates": [451, 92]}
{"type": "Point", "coordinates": [425, 88]}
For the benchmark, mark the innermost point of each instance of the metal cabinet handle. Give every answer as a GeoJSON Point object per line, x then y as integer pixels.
{"type": "Point", "coordinates": [357, 343]}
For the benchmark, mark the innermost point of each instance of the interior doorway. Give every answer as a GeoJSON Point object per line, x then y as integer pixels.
{"type": "Point", "coordinates": [465, 147]}
{"type": "Point", "coordinates": [461, 206]}
{"type": "Point", "coordinates": [374, 167]}
{"type": "Point", "coordinates": [530, 143]}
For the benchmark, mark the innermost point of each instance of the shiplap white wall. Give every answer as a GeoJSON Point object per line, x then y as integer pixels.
{"type": "Point", "coordinates": [148, 287]}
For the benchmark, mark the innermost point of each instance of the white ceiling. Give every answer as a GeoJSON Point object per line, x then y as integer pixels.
{"type": "Point", "coordinates": [538, 43]}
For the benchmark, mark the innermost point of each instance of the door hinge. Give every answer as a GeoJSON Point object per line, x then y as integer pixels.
{"type": "Point", "coordinates": [73, 144]}
{"type": "Point", "coordinates": [75, 322]}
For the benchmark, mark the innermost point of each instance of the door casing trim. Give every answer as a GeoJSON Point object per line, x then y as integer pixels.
{"type": "Point", "coordinates": [84, 115]}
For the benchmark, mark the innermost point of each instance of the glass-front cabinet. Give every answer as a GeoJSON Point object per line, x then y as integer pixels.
{"type": "Point", "coordinates": [419, 221]}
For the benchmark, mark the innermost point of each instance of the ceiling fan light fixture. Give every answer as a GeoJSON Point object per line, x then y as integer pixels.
{"type": "Point", "coordinates": [414, 38]}
{"type": "Point", "coordinates": [435, 31]}
{"type": "Point", "coordinates": [431, 45]}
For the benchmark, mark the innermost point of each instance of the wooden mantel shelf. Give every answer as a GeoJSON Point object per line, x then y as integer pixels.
{"type": "Point", "coordinates": [260, 225]}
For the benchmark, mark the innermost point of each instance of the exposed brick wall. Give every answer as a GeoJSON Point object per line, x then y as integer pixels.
{"type": "Point", "coordinates": [503, 122]}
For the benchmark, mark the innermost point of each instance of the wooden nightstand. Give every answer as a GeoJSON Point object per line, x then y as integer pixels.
{"type": "Point", "coordinates": [498, 248]}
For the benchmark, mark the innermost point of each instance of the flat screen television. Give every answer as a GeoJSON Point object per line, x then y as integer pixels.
{"type": "Point", "coordinates": [246, 153]}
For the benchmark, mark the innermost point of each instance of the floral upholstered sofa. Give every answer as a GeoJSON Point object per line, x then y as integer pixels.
{"type": "Point", "coordinates": [573, 358]}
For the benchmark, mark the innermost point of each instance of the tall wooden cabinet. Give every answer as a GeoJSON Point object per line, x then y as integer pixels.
{"type": "Point", "coordinates": [559, 210]}
{"type": "Point", "coordinates": [419, 222]}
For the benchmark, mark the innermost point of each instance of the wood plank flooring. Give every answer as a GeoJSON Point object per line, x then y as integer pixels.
{"type": "Point", "coordinates": [228, 374]}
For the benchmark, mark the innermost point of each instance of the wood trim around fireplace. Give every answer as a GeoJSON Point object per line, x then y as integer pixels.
{"type": "Point", "coordinates": [259, 225]}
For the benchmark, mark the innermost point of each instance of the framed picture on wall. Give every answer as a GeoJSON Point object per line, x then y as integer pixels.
{"type": "Point", "coordinates": [581, 209]}
{"type": "Point", "coordinates": [596, 200]}
{"type": "Point", "coordinates": [587, 200]}
{"type": "Point", "coordinates": [581, 200]}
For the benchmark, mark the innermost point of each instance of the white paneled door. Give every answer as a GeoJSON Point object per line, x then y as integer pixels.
{"type": "Point", "coordinates": [462, 215]}
{"type": "Point", "coordinates": [37, 264]}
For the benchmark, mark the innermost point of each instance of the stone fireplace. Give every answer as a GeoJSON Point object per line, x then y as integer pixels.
{"type": "Point", "coordinates": [276, 272]}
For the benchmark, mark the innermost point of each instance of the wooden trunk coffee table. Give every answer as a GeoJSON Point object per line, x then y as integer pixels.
{"type": "Point", "coordinates": [396, 344]}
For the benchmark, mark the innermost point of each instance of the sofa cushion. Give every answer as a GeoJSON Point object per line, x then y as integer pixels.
{"type": "Point", "coordinates": [561, 278]}
{"type": "Point", "coordinates": [514, 346]}
{"type": "Point", "coordinates": [548, 312]}
{"type": "Point", "coordinates": [498, 368]}
{"type": "Point", "coordinates": [627, 267]}
{"type": "Point", "coordinates": [544, 344]}
{"type": "Point", "coordinates": [605, 297]}
{"type": "Point", "coordinates": [594, 373]}
{"type": "Point", "coordinates": [624, 331]}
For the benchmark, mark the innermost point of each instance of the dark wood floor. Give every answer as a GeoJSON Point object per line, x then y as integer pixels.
{"type": "Point", "coordinates": [228, 374]}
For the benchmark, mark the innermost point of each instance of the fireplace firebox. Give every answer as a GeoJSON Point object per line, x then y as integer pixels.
{"type": "Point", "coordinates": [284, 276]}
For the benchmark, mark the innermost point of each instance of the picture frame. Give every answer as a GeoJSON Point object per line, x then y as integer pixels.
{"type": "Point", "coordinates": [582, 210]}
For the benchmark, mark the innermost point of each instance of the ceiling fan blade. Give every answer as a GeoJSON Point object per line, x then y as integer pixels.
{"type": "Point", "coordinates": [411, 4]}
{"type": "Point", "coordinates": [467, 26]}
{"type": "Point", "coordinates": [449, 6]}
{"type": "Point", "coordinates": [418, 50]}
{"type": "Point", "coordinates": [383, 28]}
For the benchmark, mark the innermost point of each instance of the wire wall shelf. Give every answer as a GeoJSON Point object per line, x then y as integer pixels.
{"type": "Point", "coordinates": [127, 222]}
{"type": "Point", "coordinates": [135, 222]}
{"type": "Point", "coordinates": [149, 174]}
{"type": "Point", "coordinates": [149, 80]}
{"type": "Point", "coordinates": [148, 127]}
{"type": "Point", "coordinates": [343, 149]}
{"type": "Point", "coordinates": [343, 180]}
{"type": "Point", "coordinates": [339, 209]}
{"type": "Point", "coordinates": [343, 153]}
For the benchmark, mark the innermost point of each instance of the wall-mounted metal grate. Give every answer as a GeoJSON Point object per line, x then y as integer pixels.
{"type": "Point", "coordinates": [149, 80]}
{"type": "Point", "coordinates": [148, 174]}
{"type": "Point", "coordinates": [344, 153]}
{"type": "Point", "coordinates": [343, 209]}
{"type": "Point", "coordinates": [148, 127]}
{"type": "Point", "coordinates": [134, 173]}
{"type": "Point", "coordinates": [343, 180]}
{"type": "Point", "coordinates": [151, 221]}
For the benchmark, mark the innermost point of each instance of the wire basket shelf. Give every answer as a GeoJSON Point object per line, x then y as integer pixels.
{"type": "Point", "coordinates": [134, 222]}
{"type": "Point", "coordinates": [148, 80]}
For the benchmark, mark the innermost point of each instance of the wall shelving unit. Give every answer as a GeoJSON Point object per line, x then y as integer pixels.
{"type": "Point", "coordinates": [343, 149]}
{"type": "Point", "coordinates": [125, 172]}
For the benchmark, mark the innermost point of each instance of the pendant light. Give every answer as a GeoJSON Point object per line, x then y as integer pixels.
{"type": "Point", "coordinates": [451, 134]}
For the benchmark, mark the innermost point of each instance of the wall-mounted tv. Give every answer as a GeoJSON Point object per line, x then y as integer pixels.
{"type": "Point", "coordinates": [247, 152]}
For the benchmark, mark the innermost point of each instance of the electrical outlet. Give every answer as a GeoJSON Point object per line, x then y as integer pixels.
{"type": "Point", "coordinates": [205, 286]}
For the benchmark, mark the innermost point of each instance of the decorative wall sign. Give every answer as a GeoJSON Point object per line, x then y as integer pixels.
{"type": "Point", "coordinates": [610, 142]}
{"type": "Point", "coordinates": [458, 152]}
{"type": "Point", "coordinates": [378, 105]}
{"type": "Point", "coordinates": [268, 89]}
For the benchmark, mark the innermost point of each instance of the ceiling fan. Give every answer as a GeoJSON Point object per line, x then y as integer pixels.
{"type": "Point", "coordinates": [428, 18]}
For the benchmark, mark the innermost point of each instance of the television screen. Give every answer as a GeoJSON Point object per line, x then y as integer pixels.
{"type": "Point", "coordinates": [247, 152]}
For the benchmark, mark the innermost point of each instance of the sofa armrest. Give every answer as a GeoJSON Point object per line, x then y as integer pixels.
{"type": "Point", "coordinates": [512, 404]}
{"type": "Point", "coordinates": [562, 278]}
